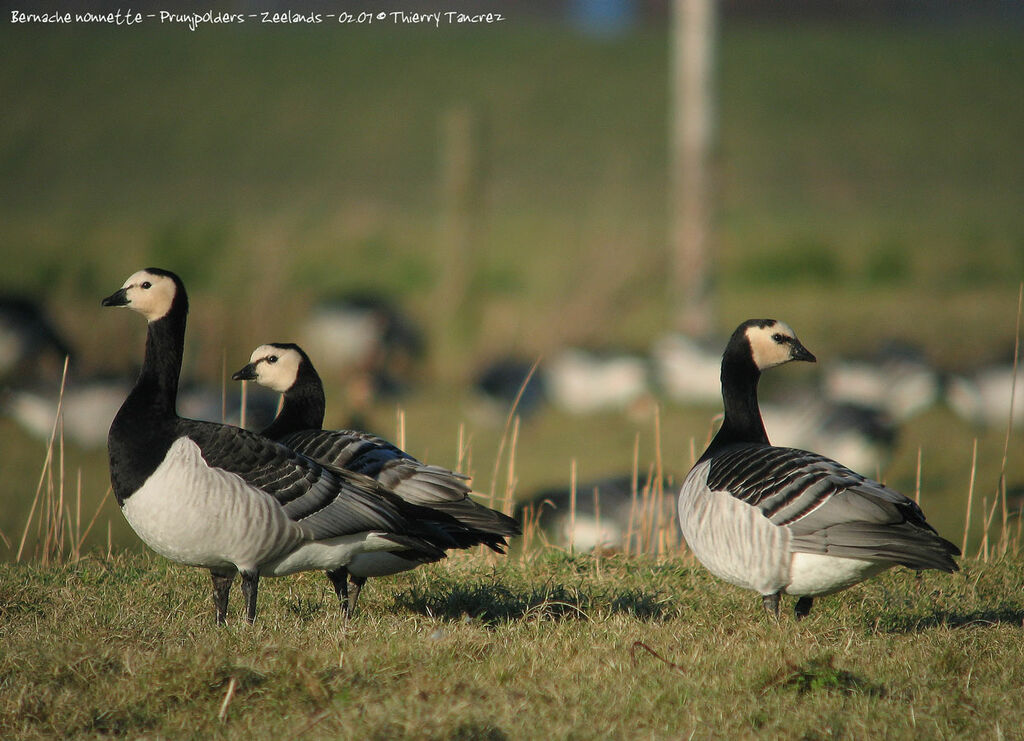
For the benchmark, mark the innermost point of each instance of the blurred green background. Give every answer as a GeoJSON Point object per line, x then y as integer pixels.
{"type": "Point", "coordinates": [868, 184]}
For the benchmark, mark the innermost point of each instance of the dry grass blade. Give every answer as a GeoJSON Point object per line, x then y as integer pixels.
{"type": "Point", "coordinates": [222, 714]}
{"type": "Point", "coordinates": [970, 495]}
{"type": "Point", "coordinates": [633, 487]}
{"type": "Point", "coordinates": [95, 516]}
{"type": "Point", "coordinates": [1004, 534]}
{"type": "Point", "coordinates": [640, 644]}
{"type": "Point", "coordinates": [510, 477]}
{"type": "Point", "coordinates": [508, 425]}
{"type": "Point", "coordinates": [48, 462]}
{"type": "Point", "coordinates": [572, 506]}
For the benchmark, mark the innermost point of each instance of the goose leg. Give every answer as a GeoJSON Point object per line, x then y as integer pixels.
{"type": "Point", "coordinates": [771, 604]}
{"type": "Point", "coordinates": [357, 587]}
{"type": "Point", "coordinates": [221, 588]}
{"type": "Point", "coordinates": [803, 607]}
{"type": "Point", "coordinates": [339, 579]}
{"type": "Point", "coordinates": [250, 587]}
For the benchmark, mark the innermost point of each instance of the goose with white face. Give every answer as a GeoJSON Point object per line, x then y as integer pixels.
{"type": "Point", "coordinates": [274, 366]}
{"type": "Point", "coordinates": [774, 343]}
{"type": "Point", "coordinates": [149, 293]}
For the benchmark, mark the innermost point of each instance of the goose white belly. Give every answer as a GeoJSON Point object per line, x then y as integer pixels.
{"type": "Point", "coordinates": [365, 548]}
{"type": "Point", "coordinates": [194, 514]}
{"type": "Point", "coordinates": [733, 540]}
{"type": "Point", "coordinates": [365, 565]}
{"type": "Point", "coordinates": [814, 574]}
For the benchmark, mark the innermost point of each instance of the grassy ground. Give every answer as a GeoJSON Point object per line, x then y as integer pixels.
{"type": "Point", "coordinates": [548, 647]}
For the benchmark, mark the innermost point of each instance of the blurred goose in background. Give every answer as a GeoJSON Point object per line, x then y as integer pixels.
{"type": "Point", "coordinates": [584, 382]}
{"type": "Point", "coordinates": [499, 384]}
{"type": "Point", "coordinates": [87, 408]}
{"type": "Point", "coordinates": [31, 348]}
{"type": "Point", "coordinates": [287, 369]}
{"type": "Point", "coordinates": [686, 369]}
{"type": "Point", "coordinates": [232, 501]}
{"type": "Point", "coordinates": [862, 437]}
{"type": "Point", "coordinates": [626, 516]}
{"type": "Point", "coordinates": [983, 398]}
{"type": "Point", "coordinates": [898, 381]}
{"type": "Point", "coordinates": [89, 404]}
{"type": "Point", "coordinates": [782, 520]}
{"type": "Point", "coordinates": [367, 345]}
{"type": "Point", "coordinates": [363, 331]}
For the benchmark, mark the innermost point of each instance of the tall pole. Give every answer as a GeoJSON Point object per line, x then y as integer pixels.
{"type": "Point", "coordinates": [459, 190]}
{"type": "Point", "coordinates": [691, 133]}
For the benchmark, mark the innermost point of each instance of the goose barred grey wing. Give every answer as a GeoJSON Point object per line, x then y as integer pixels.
{"type": "Point", "coordinates": [418, 483]}
{"type": "Point", "coordinates": [377, 458]}
{"type": "Point", "coordinates": [325, 501]}
{"type": "Point", "coordinates": [830, 509]}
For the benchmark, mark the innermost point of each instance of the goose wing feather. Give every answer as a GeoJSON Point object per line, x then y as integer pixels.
{"type": "Point", "coordinates": [434, 487]}
{"type": "Point", "coordinates": [327, 502]}
{"type": "Point", "coordinates": [830, 509]}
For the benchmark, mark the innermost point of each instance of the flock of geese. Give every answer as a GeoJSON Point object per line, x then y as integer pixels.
{"type": "Point", "coordinates": [298, 498]}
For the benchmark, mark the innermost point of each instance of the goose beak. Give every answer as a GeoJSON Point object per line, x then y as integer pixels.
{"type": "Point", "coordinates": [248, 373]}
{"type": "Point", "coordinates": [799, 352]}
{"type": "Point", "coordinates": [117, 298]}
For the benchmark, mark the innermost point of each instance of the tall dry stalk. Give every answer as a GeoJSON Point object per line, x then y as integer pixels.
{"type": "Point", "coordinates": [572, 506]}
{"type": "Point", "coordinates": [1004, 535]}
{"type": "Point", "coordinates": [59, 535]}
{"type": "Point", "coordinates": [400, 423]}
{"type": "Point", "coordinates": [970, 495]}
{"type": "Point", "coordinates": [46, 479]}
{"type": "Point", "coordinates": [510, 420]}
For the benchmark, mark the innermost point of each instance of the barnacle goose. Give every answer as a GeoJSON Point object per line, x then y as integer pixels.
{"type": "Point", "coordinates": [898, 380]}
{"type": "Point", "coordinates": [229, 500]}
{"type": "Point", "coordinates": [287, 369]}
{"type": "Point", "coordinates": [782, 520]}
{"type": "Point", "coordinates": [621, 512]}
{"type": "Point", "coordinates": [87, 406]}
{"type": "Point", "coordinates": [586, 381]}
{"type": "Point", "coordinates": [984, 398]}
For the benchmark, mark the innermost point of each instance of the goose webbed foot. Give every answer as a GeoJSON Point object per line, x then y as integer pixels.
{"type": "Point", "coordinates": [221, 589]}
{"type": "Point", "coordinates": [250, 588]}
{"type": "Point", "coordinates": [803, 607]}
{"type": "Point", "coordinates": [771, 604]}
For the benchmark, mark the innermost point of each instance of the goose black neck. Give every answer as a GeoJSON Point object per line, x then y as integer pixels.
{"type": "Point", "coordinates": [303, 408]}
{"type": "Point", "coordinates": [161, 368]}
{"type": "Point", "coordinates": [742, 423]}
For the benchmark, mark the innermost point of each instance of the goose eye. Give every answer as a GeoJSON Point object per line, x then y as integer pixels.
{"type": "Point", "coordinates": [271, 358]}
{"type": "Point", "coordinates": [146, 285]}
{"type": "Point", "coordinates": [778, 337]}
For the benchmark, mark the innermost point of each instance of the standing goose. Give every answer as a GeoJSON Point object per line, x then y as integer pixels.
{"type": "Point", "coordinates": [287, 369]}
{"type": "Point", "coordinates": [232, 501]}
{"type": "Point", "coordinates": [782, 520]}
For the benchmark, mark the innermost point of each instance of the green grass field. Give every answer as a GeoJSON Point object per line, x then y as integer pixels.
{"type": "Point", "coordinates": [544, 648]}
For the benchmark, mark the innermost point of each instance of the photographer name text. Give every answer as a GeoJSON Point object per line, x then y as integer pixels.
{"type": "Point", "coordinates": [195, 20]}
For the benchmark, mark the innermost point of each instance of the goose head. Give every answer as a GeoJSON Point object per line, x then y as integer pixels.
{"type": "Point", "coordinates": [151, 292]}
{"type": "Point", "coordinates": [275, 365]}
{"type": "Point", "coordinates": [771, 343]}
